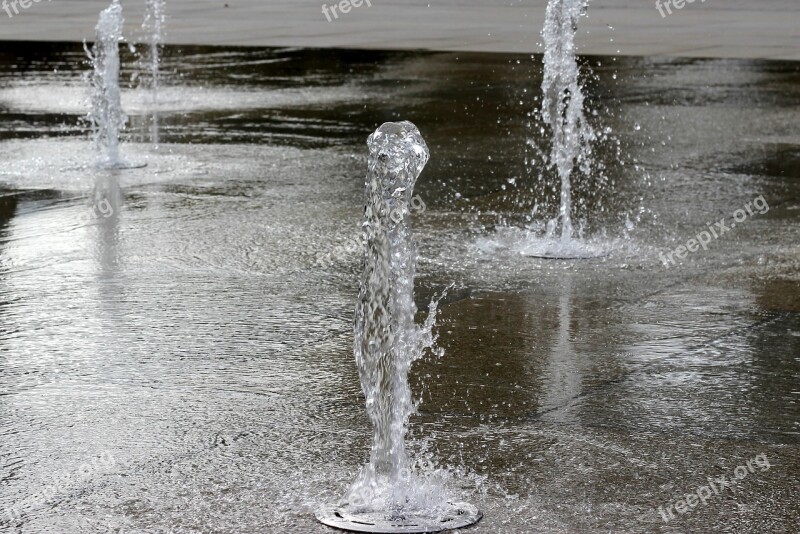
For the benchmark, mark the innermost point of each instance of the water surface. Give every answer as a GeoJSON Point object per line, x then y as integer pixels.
{"type": "Point", "coordinates": [193, 319]}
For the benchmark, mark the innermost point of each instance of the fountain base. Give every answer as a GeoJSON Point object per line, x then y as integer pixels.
{"type": "Point", "coordinates": [459, 515]}
{"type": "Point", "coordinates": [563, 256]}
{"type": "Point", "coordinates": [557, 249]}
{"type": "Point", "coordinates": [120, 166]}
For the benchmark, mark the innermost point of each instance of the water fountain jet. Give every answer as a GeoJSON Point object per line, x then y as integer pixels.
{"type": "Point", "coordinates": [562, 111]}
{"type": "Point", "coordinates": [153, 25]}
{"type": "Point", "coordinates": [106, 117]}
{"type": "Point", "coordinates": [388, 495]}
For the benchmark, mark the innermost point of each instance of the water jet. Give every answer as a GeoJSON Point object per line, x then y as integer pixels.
{"type": "Point", "coordinates": [389, 494]}
{"type": "Point", "coordinates": [106, 117]}
{"type": "Point", "coordinates": [153, 26]}
{"type": "Point", "coordinates": [572, 135]}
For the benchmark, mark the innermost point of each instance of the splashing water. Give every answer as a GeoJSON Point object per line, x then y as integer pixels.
{"type": "Point", "coordinates": [153, 26]}
{"type": "Point", "coordinates": [562, 104]}
{"type": "Point", "coordinates": [390, 493]}
{"type": "Point", "coordinates": [106, 117]}
{"type": "Point", "coordinates": [387, 340]}
{"type": "Point", "coordinates": [572, 138]}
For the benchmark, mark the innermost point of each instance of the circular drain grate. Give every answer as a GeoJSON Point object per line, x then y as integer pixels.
{"type": "Point", "coordinates": [458, 516]}
{"type": "Point", "coordinates": [566, 256]}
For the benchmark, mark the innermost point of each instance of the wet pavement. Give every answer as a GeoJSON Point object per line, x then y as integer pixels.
{"type": "Point", "coordinates": [176, 341]}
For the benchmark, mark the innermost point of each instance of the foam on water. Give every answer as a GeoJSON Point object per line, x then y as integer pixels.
{"type": "Point", "coordinates": [530, 242]}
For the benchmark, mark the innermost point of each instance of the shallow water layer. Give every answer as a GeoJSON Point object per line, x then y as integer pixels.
{"type": "Point", "coordinates": [176, 341]}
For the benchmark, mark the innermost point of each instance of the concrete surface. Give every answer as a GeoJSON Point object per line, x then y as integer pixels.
{"type": "Point", "coordinates": [713, 28]}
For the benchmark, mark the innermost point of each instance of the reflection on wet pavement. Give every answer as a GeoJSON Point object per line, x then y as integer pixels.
{"type": "Point", "coordinates": [194, 318]}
